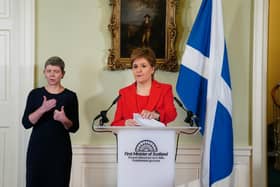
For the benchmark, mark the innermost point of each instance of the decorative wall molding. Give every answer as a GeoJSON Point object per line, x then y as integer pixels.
{"type": "Point", "coordinates": [4, 8]}
{"type": "Point", "coordinates": [2, 156]}
{"type": "Point", "coordinates": [4, 63]}
{"type": "Point", "coordinates": [96, 166]}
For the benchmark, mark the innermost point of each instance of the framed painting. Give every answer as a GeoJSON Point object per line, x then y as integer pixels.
{"type": "Point", "coordinates": [143, 23]}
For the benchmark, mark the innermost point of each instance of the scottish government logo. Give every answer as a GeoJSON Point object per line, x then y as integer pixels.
{"type": "Point", "coordinates": [146, 151]}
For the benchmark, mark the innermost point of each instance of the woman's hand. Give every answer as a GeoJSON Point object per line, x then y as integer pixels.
{"type": "Point", "coordinates": [61, 117]}
{"type": "Point", "coordinates": [47, 104]}
{"type": "Point", "coordinates": [45, 107]}
{"type": "Point", "coordinates": [130, 122]}
{"type": "Point", "coordinates": [150, 114]}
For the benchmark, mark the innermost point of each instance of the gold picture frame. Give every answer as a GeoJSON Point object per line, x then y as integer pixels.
{"type": "Point", "coordinates": [130, 29]}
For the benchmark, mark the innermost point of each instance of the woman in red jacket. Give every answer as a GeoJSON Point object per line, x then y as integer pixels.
{"type": "Point", "coordinates": [146, 96]}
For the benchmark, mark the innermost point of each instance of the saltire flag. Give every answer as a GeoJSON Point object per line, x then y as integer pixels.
{"type": "Point", "coordinates": [204, 87]}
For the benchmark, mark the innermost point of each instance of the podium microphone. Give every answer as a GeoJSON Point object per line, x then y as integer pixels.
{"type": "Point", "coordinates": [190, 119]}
{"type": "Point", "coordinates": [103, 113]}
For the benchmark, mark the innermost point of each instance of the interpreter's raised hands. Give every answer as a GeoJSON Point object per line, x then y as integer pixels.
{"type": "Point", "coordinates": [48, 104]}
{"type": "Point", "coordinates": [59, 115]}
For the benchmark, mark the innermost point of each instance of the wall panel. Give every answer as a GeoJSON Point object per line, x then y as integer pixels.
{"type": "Point", "coordinates": [97, 167]}
{"type": "Point", "coordinates": [4, 64]}
{"type": "Point", "coordinates": [4, 8]}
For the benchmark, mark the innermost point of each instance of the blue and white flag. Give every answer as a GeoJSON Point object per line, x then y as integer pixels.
{"type": "Point", "coordinates": [204, 87]}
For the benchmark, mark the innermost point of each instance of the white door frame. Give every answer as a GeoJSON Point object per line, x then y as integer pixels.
{"type": "Point", "coordinates": [26, 70]}
{"type": "Point", "coordinates": [259, 77]}
{"type": "Point", "coordinates": [17, 63]}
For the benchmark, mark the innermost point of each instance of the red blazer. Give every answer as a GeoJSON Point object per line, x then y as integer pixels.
{"type": "Point", "coordinates": [160, 100]}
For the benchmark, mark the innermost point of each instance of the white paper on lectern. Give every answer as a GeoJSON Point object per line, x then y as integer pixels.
{"type": "Point", "coordinates": [146, 122]}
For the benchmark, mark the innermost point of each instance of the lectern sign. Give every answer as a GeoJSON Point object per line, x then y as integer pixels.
{"type": "Point", "coordinates": [146, 158]}
{"type": "Point", "coordinates": [146, 151]}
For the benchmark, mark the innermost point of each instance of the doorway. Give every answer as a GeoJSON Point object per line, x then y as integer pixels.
{"type": "Point", "coordinates": [273, 96]}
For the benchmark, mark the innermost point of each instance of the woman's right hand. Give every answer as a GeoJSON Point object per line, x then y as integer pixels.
{"type": "Point", "coordinates": [130, 122]}
{"type": "Point", "coordinates": [46, 106]}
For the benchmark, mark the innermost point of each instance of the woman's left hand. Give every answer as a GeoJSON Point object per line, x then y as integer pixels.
{"type": "Point", "coordinates": [60, 116]}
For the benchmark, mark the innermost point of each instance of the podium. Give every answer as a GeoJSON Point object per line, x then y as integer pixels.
{"type": "Point", "coordinates": [146, 155]}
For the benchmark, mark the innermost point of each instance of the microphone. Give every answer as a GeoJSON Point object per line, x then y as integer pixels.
{"type": "Point", "coordinates": [190, 119]}
{"type": "Point", "coordinates": [103, 113]}
{"type": "Point", "coordinates": [180, 104]}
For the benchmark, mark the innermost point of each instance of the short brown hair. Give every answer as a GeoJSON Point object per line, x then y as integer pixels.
{"type": "Point", "coordinates": [56, 61]}
{"type": "Point", "coordinates": [144, 52]}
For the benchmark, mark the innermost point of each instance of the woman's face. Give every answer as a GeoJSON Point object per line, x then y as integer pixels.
{"type": "Point", "coordinates": [53, 74]}
{"type": "Point", "coordinates": [142, 70]}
